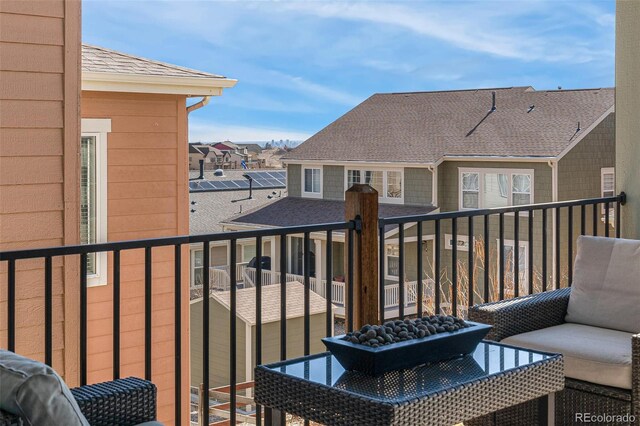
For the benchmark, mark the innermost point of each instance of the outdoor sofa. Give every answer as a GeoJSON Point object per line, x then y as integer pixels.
{"type": "Point", "coordinates": [595, 324]}
{"type": "Point", "coordinates": [32, 393]}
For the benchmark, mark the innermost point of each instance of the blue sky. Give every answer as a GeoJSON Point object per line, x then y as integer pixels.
{"type": "Point", "coordinates": [301, 65]}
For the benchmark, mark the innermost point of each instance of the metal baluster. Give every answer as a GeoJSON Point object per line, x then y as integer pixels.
{"type": "Point", "coordinates": [381, 265]}
{"type": "Point", "coordinates": [206, 323]}
{"type": "Point", "coordinates": [606, 219]}
{"type": "Point", "coordinates": [258, 284]}
{"type": "Point", "coordinates": [147, 313]}
{"type": "Point", "coordinates": [83, 319]}
{"type": "Point", "coordinates": [401, 271]}
{"type": "Point", "coordinates": [419, 267]}
{"type": "Point", "coordinates": [501, 256]}
{"type": "Point", "coordinates": [516, 254]}
{"type": "Point", "coordinates": [48, 312]}
{"type": "Point", "coordinates": [177, 333]}
{"type": "Point", "coordinates": [307, 285]}
{"type": "Point", "coordinates": [617, 224]}
{"type": "Point", "coordinates": [530, 251]}
{"type": "Point", "coordinates": [436, 274]}
{"type": "Point", "coordinates": [487, 259]}
{"type": "Point", "coordinates": [233, 309]}
{"type": "Point", "coordinates": [329, 282]}
{"type": "Point", "coordinates": [544, 249]}
{"type": "Point", "coordinates": [11, 305]}
{"type": "Point", "coordinates": [582, 219]}
{"type": "Point", "coordinates": [558, 263]}
{"type": "Point", "coordinates": [454, 266]}
{"type": "Point", "coordinates": [116, 314]}
{"type": "Point", "coordinates": [283, 299]}
{"type": "Point", "coordinates": [570, 245]}
{"type": "Point", "coordinates": [470, 265]}
{"type": "Point", "coordinates": [594, 220]}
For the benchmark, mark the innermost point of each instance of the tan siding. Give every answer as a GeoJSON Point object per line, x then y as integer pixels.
{"type": "Point", "coordinates": [32, 29]}
{"type": "Point", "coordinates": [145, 196]}
{"type": "Point", "coordinates": [33, 101]}
{"type": "Point", "coordinates": [31, 57]}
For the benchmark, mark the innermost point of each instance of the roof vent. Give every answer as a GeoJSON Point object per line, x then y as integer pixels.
{"type": "Point", "coordinates": [531, 107]}
{"type": "Point", "coordinates": [578, 129]}
{"type": "Point", "coordinates": [219, 173]}
{"type": "Point", "coordinates": [493, 101]}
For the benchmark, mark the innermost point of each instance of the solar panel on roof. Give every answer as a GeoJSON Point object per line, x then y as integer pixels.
{"type": "Point", "coordinates": [261, 180]}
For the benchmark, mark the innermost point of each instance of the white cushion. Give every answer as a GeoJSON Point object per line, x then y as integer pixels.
{"type": "Point", "coordinates": [606, 284]}
{"type": "Point", "coordinates": [593, 354]}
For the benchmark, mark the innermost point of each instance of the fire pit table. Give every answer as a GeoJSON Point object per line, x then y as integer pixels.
{"type": "Point", "coordinates": [493, 377]}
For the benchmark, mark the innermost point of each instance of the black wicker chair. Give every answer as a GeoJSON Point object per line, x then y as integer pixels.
{"type": "Point", "coordinates": [529, 313]}
{"type": "Point", "coordinates": [122, 402]}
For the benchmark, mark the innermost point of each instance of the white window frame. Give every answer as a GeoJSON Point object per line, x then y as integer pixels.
{"type": "Point", "coordinates": [192, 264]}
{"type": "Point", "coordinates": [605, 171]}
{"type": "Point", "coordinates": [381, 197]}
{"type": "Point", "coordinates": [387, 275]}
{"type": "Point", "coordinates": [525, 246]}
{"type": "Point", "coordinates": [99, 128]}
{"type": "Point", "coordinates": [395, 241]}
{"type": "Point", "coordinates": [481, 171]}
{"type": "Point", "coordinates": [302, 189]}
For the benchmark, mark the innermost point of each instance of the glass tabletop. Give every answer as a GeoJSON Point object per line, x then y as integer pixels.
{"type": "Point", "coordinates": [488, 359]}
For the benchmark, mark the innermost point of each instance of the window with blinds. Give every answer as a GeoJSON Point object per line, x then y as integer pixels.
{"type": "Point", "coordinates": [88, 187]}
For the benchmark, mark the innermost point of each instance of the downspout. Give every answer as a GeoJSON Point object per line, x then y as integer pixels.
{"type": "Point", "coordinates": [554, 198]}
{"type": "Point", "coordinates": [204, 101]}
{"type": "Point", "coordinates": [434, 185]}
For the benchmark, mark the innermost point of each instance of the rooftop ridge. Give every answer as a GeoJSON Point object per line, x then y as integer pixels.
{"type": "Point", "coordinates": [455, 90]}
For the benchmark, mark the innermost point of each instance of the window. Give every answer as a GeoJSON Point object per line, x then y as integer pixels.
{"type": "Point", "coordinates": [248, 252]}
{"type": "Point", "coordinates": [608, 182]}
{"type": "Point", "coordinates": [393, 260]}
{"type": "Point", "coordinates": [470, 190]}
{"type": "Point", "coordinates": [312, 182]}
{"type": "Point", "coordinates": [93, 195]}
{"type": "Point", "coordinates": [353, 176]}
{"type": "Point", "coordinates": [487, 188]}
{"type": "Point", "coordinates": [394, 185]}
{"type": "Point", "coordinates": [521, 189]}
{"type": "Point", "coordinates": [388, 183]}
{"type": "Point", "coordinates": [197, 260]}
{"type": "Point", "coordinates": [509, 262]}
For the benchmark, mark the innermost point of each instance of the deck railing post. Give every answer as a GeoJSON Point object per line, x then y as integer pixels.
{"type": "Point", "coordinates": [361, 202]}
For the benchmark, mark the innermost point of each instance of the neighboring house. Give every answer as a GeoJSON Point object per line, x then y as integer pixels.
{"type": "Point", "coordinates": [213, 157]}
{"type": "Point", "coordinates": [446, 151]}
{"type": "Point", "coordinates": [215, 199]}
{"type": "Point", "coordinates": [246, 334]}
{"type": "Point", "coordinates": [227, 146]}
{"type": "Point", "coordinates": [94, 149]}
{"type": "Point", "coordinates": [252, 148]}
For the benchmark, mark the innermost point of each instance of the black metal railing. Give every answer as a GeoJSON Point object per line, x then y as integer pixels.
{"type": "Point", "coordinates": [505, 279]}
{"type": "Point", "coordinates": [456, 280]}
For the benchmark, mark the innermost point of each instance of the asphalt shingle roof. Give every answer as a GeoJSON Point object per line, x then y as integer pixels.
{"type": "Point", "coordinates": [294, 211]}
{"type": "Point", "coordinates": [100, 59]}
{"type": "Point", "coordinates": [423, 127]}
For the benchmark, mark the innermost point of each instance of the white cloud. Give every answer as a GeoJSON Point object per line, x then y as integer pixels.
{"type": "Point", "coordinates": [210, 131]}
{"type": "Point", "coordinates": [474, 26]}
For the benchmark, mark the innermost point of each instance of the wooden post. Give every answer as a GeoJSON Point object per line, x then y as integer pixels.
{"type": "Point", "coordinates": [362, 201]}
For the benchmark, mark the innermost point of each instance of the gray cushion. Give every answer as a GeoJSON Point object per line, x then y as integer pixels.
{"type": "Point", "coordinates": [36, 393]}
{"type": "Point", "coordinates": [593, 354]}
{"type": "Point", "coordinates": [606, 284]}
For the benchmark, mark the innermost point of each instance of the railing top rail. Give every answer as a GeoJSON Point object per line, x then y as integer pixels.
{"type": "Point", "coordinates": [171, 241]}
{"type": "Point", "coordinates": [396, 220]}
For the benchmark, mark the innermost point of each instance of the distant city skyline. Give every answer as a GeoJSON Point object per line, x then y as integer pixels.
{"type": "Point", "coordinates": [301, 65]}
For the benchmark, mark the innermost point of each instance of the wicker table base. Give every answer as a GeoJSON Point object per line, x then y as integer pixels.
{"type": "Point", "coordinates": [494, 377]}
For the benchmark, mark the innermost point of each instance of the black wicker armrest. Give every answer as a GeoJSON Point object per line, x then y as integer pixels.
{"type": "Point", "coordinates": [123, 402]}
{"type": "Point", "coordinates": [522, 314]}
{"type": "Point", "coordinates": [635, 375]}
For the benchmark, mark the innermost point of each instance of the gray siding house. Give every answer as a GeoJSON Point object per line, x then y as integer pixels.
{"type": "Point", "coordinates": [451, 150]}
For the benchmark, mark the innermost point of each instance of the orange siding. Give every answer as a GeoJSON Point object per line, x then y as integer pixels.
{"type": "Point", "coordinates": [147, 197]}
{"type": "Point", "coordinates": [38, 105]}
